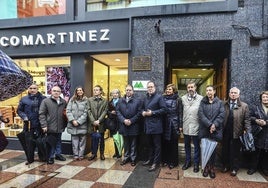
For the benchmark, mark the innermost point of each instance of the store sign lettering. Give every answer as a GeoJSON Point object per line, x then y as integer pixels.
{"type": "Point", "coordinates": [51, 38]}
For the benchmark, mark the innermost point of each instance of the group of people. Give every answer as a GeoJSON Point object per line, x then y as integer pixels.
{"type": "Point", "coordinates": [161, 118]}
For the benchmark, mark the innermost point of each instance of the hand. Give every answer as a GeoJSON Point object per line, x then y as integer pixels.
{"type": "Point", "coordinates": [181, 130]}
{"type": "Point", "coordinates": [147, 113]}
{"type": "Point", "coordinates": [212, 128]}
{"type": "Point", "coordinates": [260, 122]}
{"type": "Point", "coordinates": [127, 122]}
{"type": "Point", "coordinates": [96, 123]}
{"type": "Point", "coordinates": [44, 129]}
{"type": "Point", "coordinates": [75, 123]}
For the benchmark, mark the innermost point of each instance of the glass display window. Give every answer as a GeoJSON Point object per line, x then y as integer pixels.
{"type": "Point", "coordinates": [31, 8]}
{"type": "Point", "coordinates": [40, 69]}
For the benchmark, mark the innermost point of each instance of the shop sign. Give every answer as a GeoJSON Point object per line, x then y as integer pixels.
{"type": "Point", "coordinates": [140, 85]}
{"type": "Point", "coordinates": [67, 38]}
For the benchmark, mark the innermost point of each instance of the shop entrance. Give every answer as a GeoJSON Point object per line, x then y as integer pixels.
{"type": "Point", "coordinates": [203, 62]}
{"type": "Point", "coordinates": [110, 71]}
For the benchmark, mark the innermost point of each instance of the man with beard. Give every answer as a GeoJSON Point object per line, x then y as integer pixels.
{"type": "Point", "coordinates": [190, 125]}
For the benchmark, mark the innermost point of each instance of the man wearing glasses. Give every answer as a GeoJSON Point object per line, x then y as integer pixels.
{"type": "Point", "coordinates": [53, 122]}
{"type": "Point", "coordinates": [28, 109]}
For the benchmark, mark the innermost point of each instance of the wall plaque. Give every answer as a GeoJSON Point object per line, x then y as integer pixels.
{"type": "Point", "coordinates": [141, 63]}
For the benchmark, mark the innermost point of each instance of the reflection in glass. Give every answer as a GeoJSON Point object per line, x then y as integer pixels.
{"type": "Point", "coordinates": [31, 8]}
{"type": "Point", "coordinates": [95, 5]}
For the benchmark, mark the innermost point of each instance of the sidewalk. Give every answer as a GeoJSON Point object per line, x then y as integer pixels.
{"type": "Point", "coordinates": [109, 173]}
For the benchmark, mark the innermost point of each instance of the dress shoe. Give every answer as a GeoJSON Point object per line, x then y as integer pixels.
{"type": "Point", "coordinates": [265, 172]}
{"type": "Point", "coordinates": [205, 172]}
{"type": "Point", "coordinates": [27, 163]}
{"type": "Point", "coordinates": [224, 170]}
{"type": "Point", "coordinates": [152, 168]}
{"type": "Point", "coordinates": [164, 164]}
{"type": "Point", "coordinates": [211, 172]}
{"type": "Point", "coordinates": [251, 171]}
{"type": "Point", "coordinates": [171, 166]}
{"type": "Point", "coordinates": [102, 157]}
{"type": "Point", "coordinates": [81, 158]}
{"type": "Point", "coordinates": [186, 165]}
{"type": "Point", "coordinates": [196, 168]}
{"type": "Point", "coordinates": [146, 163]}
{"type": "Point", "coordinates": [233, 173]}
{"type": "Point", "coordinates": [115, 156]}
{"type": "Point", "coordinates": [60, 158]}
{"type": "Point", "coordinates": [133, 163]}
{"type": "Point", "coordinates": [50, 161]}
{"type": "Point", "coordinates": [125, 161]}
{"type": "Point", "coordinates": [92, 157]}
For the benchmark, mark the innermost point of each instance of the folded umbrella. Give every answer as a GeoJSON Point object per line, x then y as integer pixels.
{"type": "Point", "coordinates": [13, 79]}
{"type": "Point", "coordinates": [119, 142]}
{"type": "Point", "coordinates": [26, 140]}
{"type": "Point", "coordinates": [207, 148]}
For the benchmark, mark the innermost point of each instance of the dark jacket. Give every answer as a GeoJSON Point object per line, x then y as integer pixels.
{"type": "Point", "coordinates": [28, 109]}
{"type": "Point", "coordinates": [51, 115]}
{"type": "Point", "coordinates": [129, 110]}
{"type": "Point", "coordinates": [261, 140]}
{"type": "Point", "coordinates": [154, 124]}
{"type": "Point", "coordinates": [172, 117]}
{"type": "Point", "coordinates": [113, 117]}
{"type": "Point", "coordinates": [208, 114]}
{"type": "Point", "coordinates": [241, 118]}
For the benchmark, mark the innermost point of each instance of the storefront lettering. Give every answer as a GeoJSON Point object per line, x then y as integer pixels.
{"type": "Point", "coordinates": [51, 38]}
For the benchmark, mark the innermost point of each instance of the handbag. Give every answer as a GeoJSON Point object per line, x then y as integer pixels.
{"type": "Point", "coordinates": [3, 141]}
{"type": "Point", "coordinates": [247, 142]}
{"type": "Point", "coordinates": [110, 124]}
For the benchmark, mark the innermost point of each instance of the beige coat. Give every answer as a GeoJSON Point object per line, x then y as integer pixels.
{"type": "Point", "coordinates": [190, 115]}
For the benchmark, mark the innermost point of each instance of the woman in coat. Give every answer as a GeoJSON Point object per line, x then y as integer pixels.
{"type": "Point", "coordinates": [259, 120]}
{"type": "Point", "coordinates": [129, 113]}
{"type": "Point", "coordinates": [77, 122]}
{"type": "Point", "coordinates": [113, 117]}
{"type": "Point", "coordinates": [171, 127]}
{"type": "Point", "coordinates": [211, 116]}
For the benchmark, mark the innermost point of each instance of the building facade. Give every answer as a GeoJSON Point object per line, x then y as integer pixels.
{"type": "Point", "coordinates": [167, 41]}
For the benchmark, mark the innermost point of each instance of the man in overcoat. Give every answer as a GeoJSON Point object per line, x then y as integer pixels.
{"type": "Point", "coordinates": [154, 107]}
{"type": "Point", "coordinates": [237, 120]}
{"type": "Point", "coordinates": [97, 110]}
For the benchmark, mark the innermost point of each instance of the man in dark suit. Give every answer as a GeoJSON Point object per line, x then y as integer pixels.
{"type": "Point", "coordinates": [154, 107]}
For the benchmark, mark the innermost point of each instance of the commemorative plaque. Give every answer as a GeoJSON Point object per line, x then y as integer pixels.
{"type": "Point", "coordinates": [141, 63]}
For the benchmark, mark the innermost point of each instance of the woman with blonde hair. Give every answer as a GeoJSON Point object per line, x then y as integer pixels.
{"type": "Point", "coordinates": [116, 95]}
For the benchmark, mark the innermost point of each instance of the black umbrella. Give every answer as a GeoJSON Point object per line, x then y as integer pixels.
{"type": "Point", "coordinates": [26, 140]}
{"type": "Point", "coordinates": [13, 79]}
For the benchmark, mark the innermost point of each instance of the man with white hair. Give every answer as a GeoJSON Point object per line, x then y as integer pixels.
{"type": "Point", "coordinates": [237, 120]}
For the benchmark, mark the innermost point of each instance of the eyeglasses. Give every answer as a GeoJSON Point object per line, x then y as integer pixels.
{"type": "Point", "coordinates": [32, 88]}
{"type": "Point", "coordinates": [56, 91]}
{"type": "Point", "coordinates": [128, 89]}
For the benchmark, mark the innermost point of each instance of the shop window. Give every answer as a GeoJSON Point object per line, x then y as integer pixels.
{"type": "Point", "coordinates": [95, 5]}
{"type": "Point", "coordinates": [31, 8]}
{"type": "Point", "coordinates": [46, 72]}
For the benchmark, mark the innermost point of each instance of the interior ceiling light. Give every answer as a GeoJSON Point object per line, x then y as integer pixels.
{"type": "Point", "coordinates": [117, 59]}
